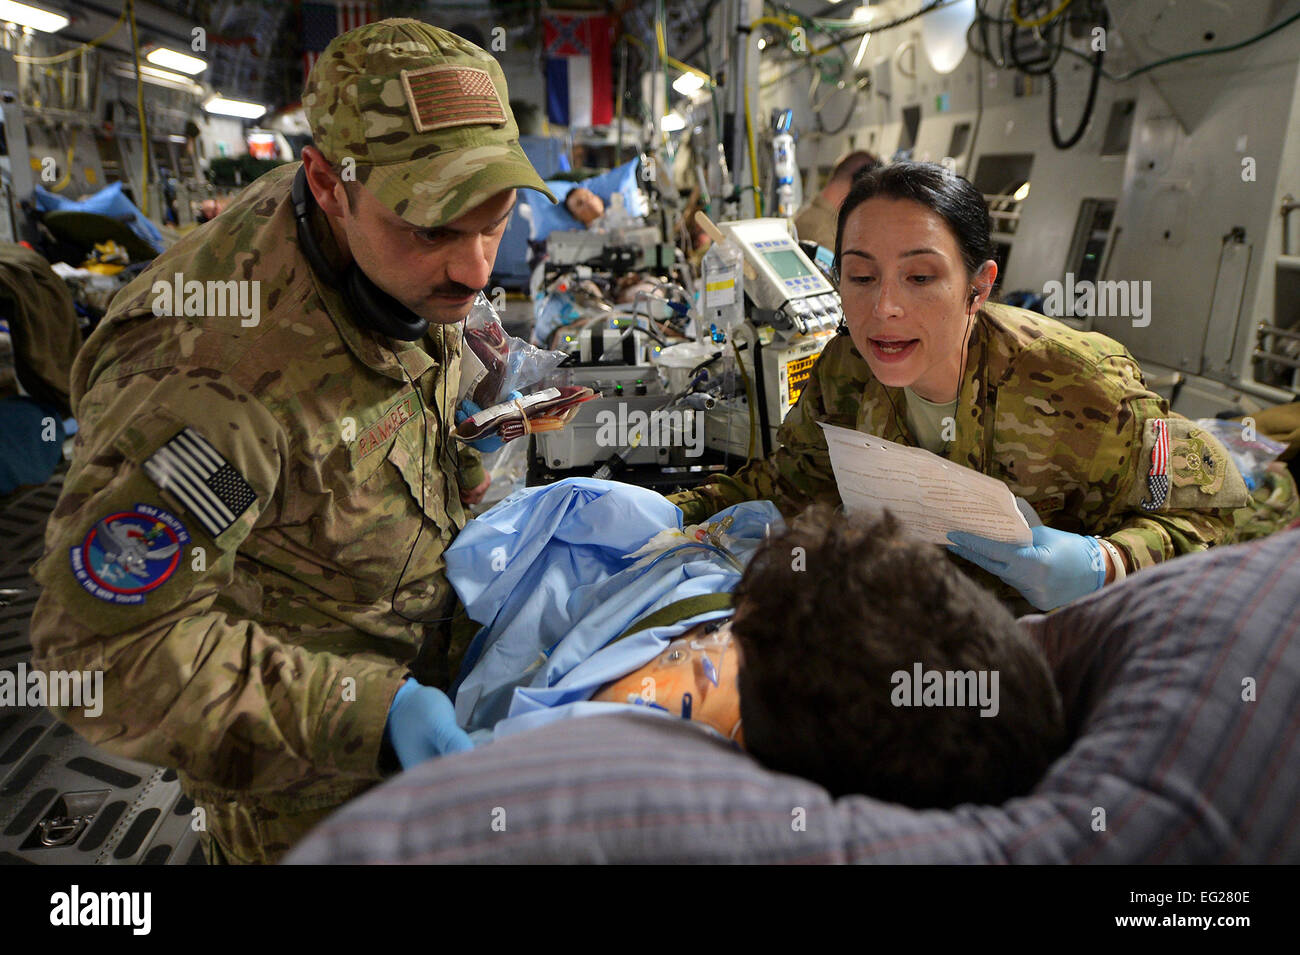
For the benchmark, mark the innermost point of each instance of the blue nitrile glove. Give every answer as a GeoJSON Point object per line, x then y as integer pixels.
{"type": "Point", "coordinates": [422, 724]}
{"type": "Point", "coordinates": [490, 443]}
{"type": "Point", "coordinates": [1056, 568]}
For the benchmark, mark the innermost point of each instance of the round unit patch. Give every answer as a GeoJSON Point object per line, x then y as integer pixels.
{"type": "Point", "coordinates": [129, 553]}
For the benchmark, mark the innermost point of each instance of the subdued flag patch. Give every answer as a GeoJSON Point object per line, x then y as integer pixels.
{"type": "Point", "coordinates": [443, 96]}
{"type": "Point", "coordinates": [203, 481]}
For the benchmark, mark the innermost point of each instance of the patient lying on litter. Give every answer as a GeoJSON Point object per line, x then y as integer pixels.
{"type": "Point", "coordinates": [857, 657]}
{"type": "Point", "coordinates": [581, 583]}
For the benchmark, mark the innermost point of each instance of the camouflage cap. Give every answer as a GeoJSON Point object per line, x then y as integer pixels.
{"type": "Point", "coordinates": [424, 114]}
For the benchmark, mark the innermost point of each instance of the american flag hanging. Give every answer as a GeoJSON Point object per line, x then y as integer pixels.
{"type": "Point", "coordinates": [323, 21]}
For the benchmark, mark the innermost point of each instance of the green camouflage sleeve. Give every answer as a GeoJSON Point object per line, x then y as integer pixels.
{"type": "Point", "coordinates": [471, 472]}
{"type": "Point", "coordinates": [1273, 505]}
{"type": "Point", "coordinates": [797, 474]}
{"type": "Point", "coordinates": [152, 594]}
{"type": "Point", "coordinates": [1191, 509]}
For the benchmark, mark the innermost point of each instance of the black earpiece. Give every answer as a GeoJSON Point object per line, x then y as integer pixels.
{"type": "Point", "coordinates": [372, 307]}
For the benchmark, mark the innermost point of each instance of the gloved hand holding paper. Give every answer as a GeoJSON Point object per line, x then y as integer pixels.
{"type": "Point", "coordinates": [929, 494]}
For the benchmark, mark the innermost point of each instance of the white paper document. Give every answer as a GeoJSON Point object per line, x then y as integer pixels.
{"type": "Point", "coordinates": [471, 372]}
{"type": "Point", "coordinates": [928, 494]}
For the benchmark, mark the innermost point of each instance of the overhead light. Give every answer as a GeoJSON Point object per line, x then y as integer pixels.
{"type": "Point", "coordinates": [234, 107]}
{"type": "Point", "coordinates": [762, 42]}
{"type": "Point", "coordinates": [26, 15]}
{"type": "Point", "coordinates": [943, 34]}
{"type": "Point", "coordinates": [178, 139]}
{"type": "Point", "coordinates": [672, 122]}
{"type": "Point", "coordinates": [172, 60]}
{"type": "Point", "coordinates": [151, 74]}
{"type": "Point", "coordinates": [862, 14]}
{"type": "Point", "coordinates": [688, 83]}
{"type": "Point", "coordinates": [1022, 193]}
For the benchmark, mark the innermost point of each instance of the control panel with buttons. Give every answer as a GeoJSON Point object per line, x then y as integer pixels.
{"type": "Point", "coordinates": [780, 278]}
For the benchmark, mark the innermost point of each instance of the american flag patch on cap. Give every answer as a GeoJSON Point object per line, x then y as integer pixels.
{"type": "Point", "coordinates": [201, 479]}
{"type": "Point", "coordinates": [442, 96]}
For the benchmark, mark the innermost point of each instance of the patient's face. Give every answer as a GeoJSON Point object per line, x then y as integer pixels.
{"type": "Point", "coordinates": [584, 205]}
{"type": "Point", "coordinates": [689, 665]}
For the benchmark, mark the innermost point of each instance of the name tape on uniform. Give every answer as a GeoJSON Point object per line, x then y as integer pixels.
{"type": "Point", "coordinates": [194, 472]}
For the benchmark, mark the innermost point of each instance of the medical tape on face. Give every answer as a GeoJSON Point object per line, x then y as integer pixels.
{"type": "Point", "coordinates": [709, 670]}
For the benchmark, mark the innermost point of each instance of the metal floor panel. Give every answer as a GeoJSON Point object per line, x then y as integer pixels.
{"type": "Point", "coordinates": [22, 541]}
{"type": "Point", "coordinates": [131, 813]}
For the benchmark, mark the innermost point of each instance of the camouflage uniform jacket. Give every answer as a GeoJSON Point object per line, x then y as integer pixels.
{"type": "Point", "coordinates": [818, 222]}
{"type": "Point", "coordinates": [1062, 417]}
{"type": "Point", "coordinates": [255, 648]}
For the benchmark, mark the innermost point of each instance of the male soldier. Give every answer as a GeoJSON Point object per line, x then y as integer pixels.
{"type": "Point", "coordinates": [249, 541]}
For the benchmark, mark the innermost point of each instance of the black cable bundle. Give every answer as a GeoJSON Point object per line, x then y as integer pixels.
{"type": "Point", "coordinates": [1053, 34]}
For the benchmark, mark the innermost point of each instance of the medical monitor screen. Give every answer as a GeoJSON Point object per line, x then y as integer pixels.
{"type": "Point", "coordinates": [787, 264]}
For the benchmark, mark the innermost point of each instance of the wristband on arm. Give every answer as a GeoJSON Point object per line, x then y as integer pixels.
{"type": "Point", "coordinates": [1116, 557]}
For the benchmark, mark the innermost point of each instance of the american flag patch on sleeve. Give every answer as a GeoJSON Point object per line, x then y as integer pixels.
{"type": "Point", "coordinates": [1158, 478]}
{"type": "Point", "coordinates": [193, 472]}
{"type": "Point", "coordinates": [442, 96]}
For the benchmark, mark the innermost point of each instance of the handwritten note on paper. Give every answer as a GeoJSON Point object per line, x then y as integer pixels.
{"type": "Point", "coordinates": [930, 495]}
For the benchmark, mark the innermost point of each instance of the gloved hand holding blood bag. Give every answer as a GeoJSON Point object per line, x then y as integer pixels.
{"type": "Point", "coordinates": [496, 366]}
{"type": "Point", "coordinates": [500, 362]}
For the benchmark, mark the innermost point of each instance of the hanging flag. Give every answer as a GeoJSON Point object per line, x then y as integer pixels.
{"type": "Point", "coordinates": [323, 21]}
{"type": "Point", "coordinates": [579, 87]}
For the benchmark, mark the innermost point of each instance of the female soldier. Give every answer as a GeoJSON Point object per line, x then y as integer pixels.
{"type": "Point", "coordinates": [1062, 417]}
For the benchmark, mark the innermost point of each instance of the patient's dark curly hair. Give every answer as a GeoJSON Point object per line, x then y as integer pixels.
{"type": "Point", "coordinates": [828, 611]}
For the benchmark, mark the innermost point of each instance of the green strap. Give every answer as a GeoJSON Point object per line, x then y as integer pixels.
{"type": "Point", "coordinates": [678, 610]}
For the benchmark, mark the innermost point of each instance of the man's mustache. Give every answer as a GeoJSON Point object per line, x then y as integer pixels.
{"type": "Point", "coordinates": [456, 290]}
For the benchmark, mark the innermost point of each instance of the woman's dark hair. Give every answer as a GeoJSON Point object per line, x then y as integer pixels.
{"type": "Point", "coordinates": [945, 193]}
{"type": "Point", "coordinates": [828, 614]}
